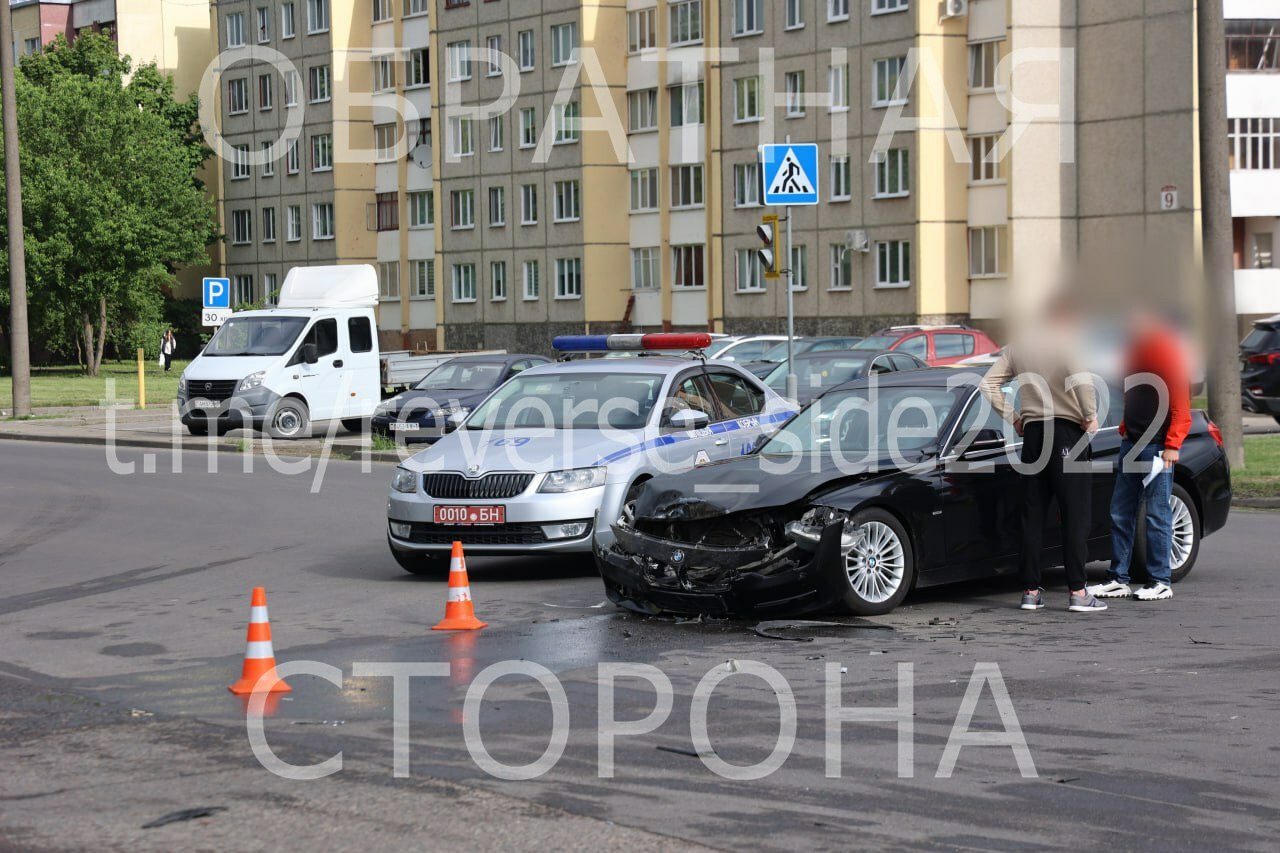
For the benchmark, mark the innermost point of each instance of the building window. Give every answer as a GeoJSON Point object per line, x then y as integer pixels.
{"type": "Point", "coordinates": [748, 275]}
{"type": "Point", "coordinates": [886, 77]}
{"type": "Point", "coordinates": [317, 16]}
{"type": "Point", "coordinates": [291, 88]}
{"type": "Point", "coordinates": [567, 204]}
{"type": "Point", "coordinates": [642, 110]}
{"type": "Point", "coordinates": [567, 121]}
{"type": "Point", "coordinates": [241, 227]}
{"type": "Point", "coordinates": [422, 209]}
{"type": "Point", "coordinates": [799, 267]}
{"type": "Point", "coordinates": [524, 50]}
{"type": "Point", "coordinates": [291, 159]}
{"type": "Point", "coordinates": [688, 104]}
{"type": "Point", "coordinates": [462, 209]}
{"type": "Point", "coordinates": [266, 94]}
{"type": "Point", "coordinates": [1254, 143]}
{"type": "Point", "coordinates": [837, 10]}
{"type": "Point", "coordinates": [746, 184]}
{"type": "Point", "coordinates": [839, 83]}
{"type": "Point", "coordinates": [644, 190]}
{"type": "Point", "coordinates": [529, 204]}
{"type": "Point", "coordinates": [293, 223]}
{"type": "Point", "coordinates": [1263, 250]}
{"type": "Point", "coordinates": [893, 263]}
{"type": "Point", "coordinates": [464, 282]}
{"type": "Point", "coordinates": [564, 44]}
{"type": "Point", "coordinates": [269, 290]}
{"type": "Point", "coordinates": [642, 29]}
{"type": "Point", "coordinates": [381, 10]}
{"type": "Point", "coordinates": [268, 224]}
{"type": "Point", "coordinates": [498, 281]}
{"type": "Point", "coordinates": [30, 47]}
{"type": "Point", "coordinates": [387, 206]}
{"type": "Point", "coordinates": [494, 45]}
{"type": "Point", "coordinates": [386, 142]}
{"type": "Point", "coordinates": [319, 83]}
{"type": "Point", "coordinates": [268, 165]}
{"type": "Point", "coordinates": [687, 266]}
{"type": "Point", "coordinates": [322, 152]}
{"type": "Point", "coordinates": [528, 127]}
{"type": "Point", "coordinates": [746, 100]}
{"type": "Point", "coordinates": [264, 24]}
{"type": "Point", "coordinates": [322, 221]}
{"type": "Point", "coordinates": [288, 21]}
{"type": "Point", "coordinates": [496, 134]}
{"type": "Point", "coordinates": [893, 172]}
{"type": "Point", "coordinates": [416, 7]}
{"type": "Point", "coordinates": [1252, 45]}
{"type": "Point", "coordinates": [983, 59]}
{"type": "Point", "coordinates": [235, 29]}
{"type": "Point", "coordinates": [384, 74]}
{"type": "Point", "coordinates": [497, 207]}
{"type": "Point", "coordinates": [879, 7]}
{"type": "Point", "coordinates": [461, 141]}
{"type": "Point", "coordinates": [568, 278]}
{"type": "Point", "coordinates": [459, 54]}
{"type": "Point", "coordinates": [422, 279]}
{"type": "Point", "coordinates": [644, 268]}
{"type": "Point", "coordinates": [529, 277]}
{"type": "Point", "coordinates": [841, 179]}
{"type": "Point", "coordinates": [389, 280]}
{"type": "Point", "coordinates": [795, 15]}
{"type": "Point", "coordinates": [686, 186]}
{"type": "Point", "coordinates": [237, 96]}
{"type": "Point", "coordinates": [984, 158]}
{"type": "Point", "coordinates": [242, 289]}
{"type": "Point", "coordinates": [986, 248]}
{"type": "Point", "coordinates": [239, 162]}
{"type": "Point", "coordinates": [841, 267]}
{"type": "Point", "coordinates": [686, 22]}
{"type": "Point", "coordinates": [748, 17]}
{"type": "Point", "coordinates": [793, 83]}
{"type": "Point", "coordinates": [419, 68]}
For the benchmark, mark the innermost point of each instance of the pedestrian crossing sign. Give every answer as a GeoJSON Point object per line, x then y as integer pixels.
{"type": "Point", "coordinates": [790, 173]}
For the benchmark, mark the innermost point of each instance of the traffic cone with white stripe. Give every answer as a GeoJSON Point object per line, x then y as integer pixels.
{"type": "Point", "coordinates": [259, 672]}
{"type": "Point", "coordinates": [459, 615]}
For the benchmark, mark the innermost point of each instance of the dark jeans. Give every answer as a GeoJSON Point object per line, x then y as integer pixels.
{"type": "Point", "coordinates": [168, 361]}
{"type": "Point", "coordinates": [1073, 489]}
{"type": "Point", "coordinates": [1128, 494]}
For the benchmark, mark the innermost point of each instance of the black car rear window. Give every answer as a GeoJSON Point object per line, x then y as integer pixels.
{"type": "Point", "coordinates": [1262, 338]}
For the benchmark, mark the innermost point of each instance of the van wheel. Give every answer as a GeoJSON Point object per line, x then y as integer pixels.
{"type": "Point", "coordinates": [357, 425]}
{"type": "Point", "coordinates": [289, 419]}
{"type": "Point", "coordinates": [880, 565]}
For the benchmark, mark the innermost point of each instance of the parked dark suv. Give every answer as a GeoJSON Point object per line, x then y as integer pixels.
{"type": "Point", "coordinates": [1260, 372]}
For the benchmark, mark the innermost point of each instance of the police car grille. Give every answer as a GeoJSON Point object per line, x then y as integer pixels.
{"type": "Point", "coordinates": [212, 389]}
{"type": "Point", "coordinates": [488, 487]}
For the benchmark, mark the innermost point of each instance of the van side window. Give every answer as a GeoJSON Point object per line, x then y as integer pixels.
{"type": "Point", "coordinates": [324, 334]}
{"type": "Point", "coordinates": [360, 333]}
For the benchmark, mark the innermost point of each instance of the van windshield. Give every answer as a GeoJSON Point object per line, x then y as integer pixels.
{"type": "Point", "coordinates": [255, 336]}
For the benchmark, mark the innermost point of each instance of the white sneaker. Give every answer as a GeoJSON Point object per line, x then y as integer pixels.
{"type": "Point", "coordinates": [1110, 589]}
{"type": "Point", "coordinates": [1154, 592]}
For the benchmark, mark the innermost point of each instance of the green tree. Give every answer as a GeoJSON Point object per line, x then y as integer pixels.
{"type": "Point", "coordinates": [110, 193]}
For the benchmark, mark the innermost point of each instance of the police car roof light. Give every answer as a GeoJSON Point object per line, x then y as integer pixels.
{"type": "Point", "coordinates": [631, 343]}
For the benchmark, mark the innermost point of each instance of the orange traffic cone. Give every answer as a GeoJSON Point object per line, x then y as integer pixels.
{"type": "Point", "coordinates": [259, 672]}
{"type": "Point", "coordinates": [459, 615]}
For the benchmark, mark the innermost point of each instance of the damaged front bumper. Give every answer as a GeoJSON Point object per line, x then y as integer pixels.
{"type": "Point", "coordinates": [652, 575]}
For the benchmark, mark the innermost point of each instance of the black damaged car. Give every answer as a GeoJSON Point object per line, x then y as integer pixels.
{"type": "Point", "coordinates": [864, 496]}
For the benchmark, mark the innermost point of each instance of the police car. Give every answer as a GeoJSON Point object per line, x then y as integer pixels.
{"type": "Point", "coordinates": [531, 467]}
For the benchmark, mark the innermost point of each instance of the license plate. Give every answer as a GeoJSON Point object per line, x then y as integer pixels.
{"type": "Point", "coordinates": [398, 426]}
{"type": "Point", "coordinates": [201, 403]}
{"type": "Point", "coordinates": [471, 515]}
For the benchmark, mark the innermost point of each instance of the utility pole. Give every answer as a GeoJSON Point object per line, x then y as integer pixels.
{"type": "Point", "coordinates": [19, 344]}
{"type": "Point", "coordinates": [1223, 374]}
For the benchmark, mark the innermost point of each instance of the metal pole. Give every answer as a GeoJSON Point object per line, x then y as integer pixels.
{"type": "Point", "coordinates": [791, 318]}
{"type": "Point", "coordinates": [19, 345]}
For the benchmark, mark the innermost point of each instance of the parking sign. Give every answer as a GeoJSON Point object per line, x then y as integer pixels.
{"type": "Point", "coordinates": [790, 173]}
{"type": "Point", "coordinates": [217, 301]}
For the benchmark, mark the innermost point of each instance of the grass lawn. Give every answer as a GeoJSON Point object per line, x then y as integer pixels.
{"type": "Point", "coordinates": [70, 386]}
{"type": "Point", "coordinates": [1261, 475]}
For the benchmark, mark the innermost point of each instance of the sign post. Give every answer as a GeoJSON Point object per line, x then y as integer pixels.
{"type": "Point", "coordinates": [790, 174]}
{"type": "Point", "coordinates": [217, 301]}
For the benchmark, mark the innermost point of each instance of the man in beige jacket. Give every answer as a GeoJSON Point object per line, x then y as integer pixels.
{"type": "Point", "coordinates": [1057, 409]}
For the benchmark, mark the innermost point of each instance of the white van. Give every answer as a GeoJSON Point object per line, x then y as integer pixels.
{"type": "Point", "coordinates": [313, 357]}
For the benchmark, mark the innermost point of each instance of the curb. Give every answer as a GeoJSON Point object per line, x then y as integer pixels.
{"type": "Point", "coordinates": [221, 447]}
{"type": "Point", "coordinates": [1256, 503]}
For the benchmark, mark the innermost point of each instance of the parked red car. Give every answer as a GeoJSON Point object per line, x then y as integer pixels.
{"type": "Point", "coordinates": [932, 344]}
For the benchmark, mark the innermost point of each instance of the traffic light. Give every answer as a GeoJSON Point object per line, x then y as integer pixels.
{"type": "Point", "coordinates": [769, 257]}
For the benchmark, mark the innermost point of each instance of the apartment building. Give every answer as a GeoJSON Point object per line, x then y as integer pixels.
{"type": "Point", "coordinates": [1253, 124]}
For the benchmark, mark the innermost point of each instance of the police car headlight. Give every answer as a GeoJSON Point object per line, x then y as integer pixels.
{"type": "Point", "coordinates": [253, 380]}
{"type": "Point", "coordinates": [573, 480]}
{"type": "Point", "coordinates": [405, 481]}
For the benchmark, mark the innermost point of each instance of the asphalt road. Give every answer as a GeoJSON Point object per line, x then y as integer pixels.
{"type": "Point", "coordinates": [122, 622]}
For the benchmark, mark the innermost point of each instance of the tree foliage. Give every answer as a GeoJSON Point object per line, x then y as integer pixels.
{"type": "Point", "coordinates": [111, 201]}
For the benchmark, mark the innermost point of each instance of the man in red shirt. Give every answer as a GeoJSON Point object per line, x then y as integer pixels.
{"type": "Point", "coordinates": [1157, 417]}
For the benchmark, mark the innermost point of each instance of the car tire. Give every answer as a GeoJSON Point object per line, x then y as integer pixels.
{"type": "Point", "coordinates": [881, 569]}
{"type": "Point", "coordinates": [1190, 527]}
{"type": "Point", "coordinates": [198, 429]}
{"type": "Point", "coordinates": [288, 419]}
{"type": "Point", "coordinates": [357, 425]}
{"type": "Point", "coordinates": [430, 565]}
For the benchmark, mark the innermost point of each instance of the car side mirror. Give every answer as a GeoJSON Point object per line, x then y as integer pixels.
{"type": "Point", "coordinates": [309, 355]}
{"type": "Point", "coordinates": [689, 419]}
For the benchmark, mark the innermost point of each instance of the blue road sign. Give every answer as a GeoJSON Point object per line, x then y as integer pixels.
{"type": "Point", "coordinates": [790, 173]}
{"type": "Point", "coordinates": [217, 293]}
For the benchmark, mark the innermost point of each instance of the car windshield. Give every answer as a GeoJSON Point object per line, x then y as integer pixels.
{"type": "Point", "coordinates": [462, 376]}
{"type": "Point", "coordinates": [876, 342]}
{"type": "Point", "coordinates": [818, 372]}
{"type": "Point", "coordinates": [719, 345]}
{"type": "Point", "coordinates": [255, 336]}
{"type": "Point", "coordinates": [867, 422]}
{"type": "Point", "coordinates": [587, 400]}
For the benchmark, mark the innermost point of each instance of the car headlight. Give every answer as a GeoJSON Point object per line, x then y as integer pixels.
{"type": "Point", "coordinates": [182, 384]}
{"type": "Point", "coordinates": [384, 409]}
{"type": "Point", "coordinates": [573, 480]}
{"type": "Point", "coordinates": [253, 380]}
{"type": "Point", "coordinates": [405, 481]}
{"type": "Point", "coordinates": [450, 411]}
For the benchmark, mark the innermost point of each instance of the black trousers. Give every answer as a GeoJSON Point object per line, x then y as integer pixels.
{"type": "Point", "coordinates": [1073, 489]}
{"type": "Point", "coordinates": [168, 361]}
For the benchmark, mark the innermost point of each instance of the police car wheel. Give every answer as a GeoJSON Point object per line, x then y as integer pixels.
{"type": "Point", "coordinates": [420, 564]}
{"type": "Point", "coordinates": [880, 566]}
{"type": "Point", "coordinates": [289, 419]}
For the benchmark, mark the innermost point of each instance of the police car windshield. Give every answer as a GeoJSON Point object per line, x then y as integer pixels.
{"type": "Point", "coordinates": [255, 336]}
{"type": "Point", "coordinates": [868, 422]}
{"type": "Point", "coordinates": [465, 376]}
{"type": "Point", "coordinates": [570, 401]}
